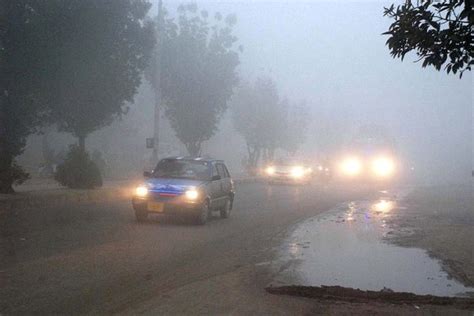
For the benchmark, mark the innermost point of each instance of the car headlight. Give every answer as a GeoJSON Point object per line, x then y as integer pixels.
{"type": "Point", "coordinates": [141, 191]}
{"type": "Point", "coordinates": [270, 171]}
{"type": "Point", "coordinates": [383, 167]}
{"type": "Point", "coordinates": [351, 166]}
{"type": "Point", "coordinates": [191, 194]}
{"type": "Point", "coordinates": [297, 172]}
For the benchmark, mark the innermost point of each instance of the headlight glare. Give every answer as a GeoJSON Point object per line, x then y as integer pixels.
{"type": "Point", "coordinates": [192, 194]}
{"type": "Point", "coordinates": [141, 191]}
{"type": "Point", "coordinates": [351, 166]}
{"type": "Point", "coordinates": [383, 167]}
{"type": "Point", "coordinates": [270, 170]}
{"type": "Point", "coordinates": [297, 172]}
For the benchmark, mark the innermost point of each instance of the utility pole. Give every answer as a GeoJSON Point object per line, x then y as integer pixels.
{"type": "Point", "coordinates": [157, 82]}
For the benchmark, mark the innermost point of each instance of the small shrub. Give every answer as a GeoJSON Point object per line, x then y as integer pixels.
{"type": "Point", "coordinates": [78, 171]}
{"type": "Point", "coordinates": [14, 175]}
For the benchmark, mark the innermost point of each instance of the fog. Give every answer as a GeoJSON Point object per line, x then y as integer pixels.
{"type": "Point", "coordinates": [332, 55]}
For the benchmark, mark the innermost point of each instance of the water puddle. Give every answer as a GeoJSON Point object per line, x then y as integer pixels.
{"type": "Point", "coordinates": [345, 247]}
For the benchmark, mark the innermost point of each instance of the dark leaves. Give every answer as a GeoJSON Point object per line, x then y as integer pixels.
{"type": "Point", "coordinates": [434, 31]}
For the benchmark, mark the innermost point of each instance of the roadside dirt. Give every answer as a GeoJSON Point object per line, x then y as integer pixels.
{"type": "Point", "coordinates": [242, 292]}
{"type": "Point", "coordinates": [441, 221]}
{"type": "Point", "coordinates": [360, 296]}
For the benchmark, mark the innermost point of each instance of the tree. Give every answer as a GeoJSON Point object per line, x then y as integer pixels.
{"type": "Point", "coordinates": [22, 81]}
{"type": "Point", "coordinates": [258, 115]}
{"type": "Point", "coordinates": [198, 73]}
{"type": "Point", "coordinates": [439, 31]}
{"type": "Point", "coordinates": [73, 62]}
{"type": "Point", "coordinates": [104, 47]}
{"type": "Point", "coordinates": [296, 122]}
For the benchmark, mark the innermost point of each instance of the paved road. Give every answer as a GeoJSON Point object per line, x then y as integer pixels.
{"type": "Point", "coordinates": [95, 258]}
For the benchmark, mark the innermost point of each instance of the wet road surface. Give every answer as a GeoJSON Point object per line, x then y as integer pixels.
{"type": "Point", "coordinates": [345, 247]}
{"type": "Point", "coordinates": [97, 258]}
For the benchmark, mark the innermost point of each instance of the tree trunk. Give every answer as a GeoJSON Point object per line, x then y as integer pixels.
{"type": "Point", "coordinates": [194, 149]}
{"type": "Point", "coordinates": [5, 157]}
{"type": "Point", "coordinates": [82, 142]}
{"type": "Point", "coordinates": [157, 85]}
{"type": "Point", "coordinates": [257, 158]}
{"type": "Point", "coordinates": [271, 154]}
{"type": "Point", "coordinates": [6, 181]}
{"type": "Point", "coordinates": [265, 155]}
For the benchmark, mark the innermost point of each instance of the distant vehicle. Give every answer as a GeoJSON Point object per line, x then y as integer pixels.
{"type": "Point", "coordinates": [185, 185]}
{"type": "Point", "coordinates": [324, 172]}
{"type": "Point", "coordinates": [370, 156]}
{"type": "Point", "coordinates": [286, 171]}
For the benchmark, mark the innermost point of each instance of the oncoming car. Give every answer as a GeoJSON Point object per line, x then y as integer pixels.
{"type": "Point", "coordinates": [288, 172]}
{"type": "Point", "coordinates": [188, 186]}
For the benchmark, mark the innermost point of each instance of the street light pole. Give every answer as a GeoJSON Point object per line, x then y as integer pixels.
{"type": "Point", "coordinates": [157, 82]}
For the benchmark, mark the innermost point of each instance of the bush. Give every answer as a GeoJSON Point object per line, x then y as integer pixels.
{"type": "Point", "coordinates": [13, 175]}
{"type": "Point", "coordinates": [78, 171]}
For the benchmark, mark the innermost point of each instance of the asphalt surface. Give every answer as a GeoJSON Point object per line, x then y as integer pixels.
{"type": "Point", "coordinates": [95, 258]}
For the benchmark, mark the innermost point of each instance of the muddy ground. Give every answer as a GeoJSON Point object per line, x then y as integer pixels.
{"type": "Point", "coordinates": [441, 221]}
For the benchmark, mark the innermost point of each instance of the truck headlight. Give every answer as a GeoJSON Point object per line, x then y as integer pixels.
{"type": "Point", "coordinates": [191, 194]}
{"type": "Point", "coordinates": [141, 191]}
{"type": "Point", "coordinates": [351, 166]}
{"type": "Point", "coordinates": [297, 172]}
{"type": "Point", "coordinates": [383, 166]}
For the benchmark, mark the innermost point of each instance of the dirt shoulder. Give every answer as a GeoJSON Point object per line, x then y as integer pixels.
{"type": "Point", "coordinates": [441, 221]}
{"type": "Point", "coordinates": [241, 292]}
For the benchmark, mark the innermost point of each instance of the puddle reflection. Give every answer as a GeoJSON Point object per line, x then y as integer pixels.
{"type": "Point", "coordinates": [294, 249]}
{"type": "Point", "coordinates": [383, 206]}
{"type": "Point", "coordinates": [346, 247]}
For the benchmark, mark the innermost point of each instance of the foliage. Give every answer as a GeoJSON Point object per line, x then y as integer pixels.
{"type": "Point", "coordinates": [75, 63]}
{"type": "Point", "coordinates": [261, 118]}
{"type": "Point", "coordinates": [22, 78]}
{"type": "Point", "coordinates": [439, 31]}
{"type": "Point", "coordinates": [296, 126]}
{"type": "Point", "coordinates": [78, 171]}
{"type": "Point", "coordinates": [266, 122]}
{"type": "Point", "coordinates": [12, 175]}
{"type": "Point", "coordinates": [106, 46]}
{"type": "Point", "coordinates": [198, 72]}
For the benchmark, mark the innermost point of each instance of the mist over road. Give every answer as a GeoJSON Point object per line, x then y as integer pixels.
{"type": "Point", "coordinates": [97, 258]}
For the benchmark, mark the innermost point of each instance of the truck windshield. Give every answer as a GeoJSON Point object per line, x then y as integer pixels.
{"type": "Point", "coordinates": [185, 169]}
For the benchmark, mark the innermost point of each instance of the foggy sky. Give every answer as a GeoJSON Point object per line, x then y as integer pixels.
{"type": "Point", "coordinates": [333, 55]}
